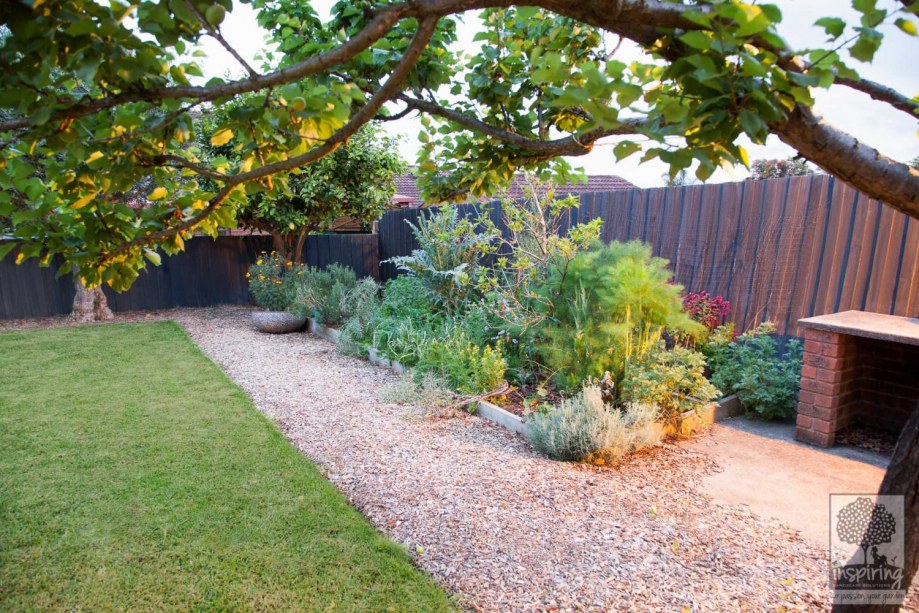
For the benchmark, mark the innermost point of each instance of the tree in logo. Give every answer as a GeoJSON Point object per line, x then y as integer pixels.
{"type": "Point", "coordinates": [865, 524]}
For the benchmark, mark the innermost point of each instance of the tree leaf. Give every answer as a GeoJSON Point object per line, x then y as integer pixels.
{"type": "Point", "coordinates": [221, 137]}
{"type": "Point", "coordinates": [866, 46]}
{"type": "Point", "coordinates": [625, 149]}
{"type": "Point", "coordinates": [6, 247]}
{"type": "Point", "coordinates": [907, 26]}
{"type": "Point", "coordinates": [79, 203]}
{"type": "Point", "coordinates": [153, 256]}
{"type": "Point", "coordinates": [158, 194]}
{"type": "Point", "coordinates": [833, 26]}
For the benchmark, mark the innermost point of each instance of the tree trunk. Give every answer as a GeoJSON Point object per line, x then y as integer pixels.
{"type": "Point", "coordinates": [301, 243]}
{"type": "Point", "coordinates": [88, 304]}
{"type": "Point", "coordinates": [902, 479]}
{"type": "Point", "coordinates": [280, 244]}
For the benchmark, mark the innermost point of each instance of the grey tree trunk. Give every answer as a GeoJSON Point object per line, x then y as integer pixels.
{"type": "Point", "coordinates": [88, 304]}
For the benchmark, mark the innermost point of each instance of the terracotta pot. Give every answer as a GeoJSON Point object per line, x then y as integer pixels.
{"type": "Point", "coordinates": [277, 322]}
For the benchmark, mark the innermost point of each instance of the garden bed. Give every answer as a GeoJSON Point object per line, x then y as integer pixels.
{"type": "Point", "coordinates": [513, 416]}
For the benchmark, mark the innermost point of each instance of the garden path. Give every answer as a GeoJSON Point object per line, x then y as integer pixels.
{"type": "Point", "coordinates": [763, 467]}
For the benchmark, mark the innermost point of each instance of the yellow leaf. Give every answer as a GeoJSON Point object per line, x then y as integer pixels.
{"type": "Point", "coordinates": [95, 155]}
{"type": "Point", "coordinates": [153, 256]}
{"type": "Point", "coordinates": [221, 137]}
{"type": "Point", "coordinates": [158, 194]}
{"type": "Point", "coordinates": [81, 202]}
{"type": "Point", "coordinates": [20, 258]}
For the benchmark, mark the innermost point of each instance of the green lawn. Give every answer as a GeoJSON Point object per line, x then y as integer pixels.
{"type": "Point", "coordinates": [135, 475]}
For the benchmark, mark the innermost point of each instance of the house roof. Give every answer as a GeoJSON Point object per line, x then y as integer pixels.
{"type": "Point", "coordinates": [408, 194]}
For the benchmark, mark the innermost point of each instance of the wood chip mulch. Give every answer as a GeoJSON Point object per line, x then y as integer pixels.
{"type": "Point", "coordinates": [866, 437]}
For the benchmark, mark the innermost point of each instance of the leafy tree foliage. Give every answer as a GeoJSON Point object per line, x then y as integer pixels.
{"type": "Point", "coordinates": [775, 169]}
{"type": "Point", "coordinates": [105, 96]}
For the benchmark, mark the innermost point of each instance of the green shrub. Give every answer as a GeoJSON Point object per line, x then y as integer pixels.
{"type": "Point", "coordinates": [405, 319]}
{"type": "Point", "coordinates": [361, 305]}
{"type": "Point", "coordinates": [765, 380]}
{"type": "Point", "coordinates": [584, 428]}
{"type": "Point", "coordinates": [537, 238]}
{"type": "Point", "coordinates": [609, 298]}
{"type": "Point", "coordinates": [273, 281]}
{"type": "Point", "coordinates": [672, 379]}
{"type": "Point", "coordinates": [468, 367]}
{"type": "Point", "coordinates": [448, 260]}
{"type": "Point", "coordinates": [321, 293]}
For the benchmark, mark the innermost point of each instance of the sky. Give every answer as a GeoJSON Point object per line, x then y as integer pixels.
{"type": "Point", "coordinates": [893, 133]}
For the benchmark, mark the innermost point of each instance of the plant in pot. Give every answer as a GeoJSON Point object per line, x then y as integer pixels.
{"type": "Point", "coordinates": [272, 283]}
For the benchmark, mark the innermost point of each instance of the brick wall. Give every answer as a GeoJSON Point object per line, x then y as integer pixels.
{"type": "Point", "coordinates": [847, 380]}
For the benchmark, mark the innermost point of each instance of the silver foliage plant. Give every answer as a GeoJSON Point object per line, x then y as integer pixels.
{"type": "Point", "coordinates": [449, 257]}
{"type": "Point", "coordinates": [584, 428]}
{"type": "Point", "coordinates": [361, 305]}
{"type": "Point", "coordinates": [431, 395]}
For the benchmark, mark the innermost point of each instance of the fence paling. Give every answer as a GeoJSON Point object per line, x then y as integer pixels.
{"type": "Point", "coordinates": [208, 272]}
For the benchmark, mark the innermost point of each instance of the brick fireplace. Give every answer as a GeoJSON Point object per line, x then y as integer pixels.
{"type": "Point", "coordinates": [858, 368]}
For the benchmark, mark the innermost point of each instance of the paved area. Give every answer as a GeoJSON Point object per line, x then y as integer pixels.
{"type": "Point", "coordinates": [762, 467]}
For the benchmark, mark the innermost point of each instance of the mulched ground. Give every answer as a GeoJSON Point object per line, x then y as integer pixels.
{"type": "Point", "coordinates": [502, 527]}
{"type": "Point", "coordinates": [866, 437]}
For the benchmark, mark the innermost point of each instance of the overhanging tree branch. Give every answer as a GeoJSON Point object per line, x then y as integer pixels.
{"type": "Point", "coordinates": [842, 155]}
{"type": "Point", "coordinates": [882, 93]}
{"type": "Point", "coordinates": [634, 19]}
{"type": "Point", "coordinates": [215, 34]}
{"type": "Point", "coordinates": [385, 93]}
{"type": "Point", "coordinates": [374, 31]}
{"type": "Point", "coordinates": [580, 144]}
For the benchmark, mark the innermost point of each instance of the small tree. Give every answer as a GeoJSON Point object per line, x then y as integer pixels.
{"type": "Point", "coordinates": [776, 169]}
{"type": "Point", "coordinates": [356, 181]}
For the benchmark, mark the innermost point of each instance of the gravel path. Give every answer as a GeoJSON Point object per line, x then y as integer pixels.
{"type": "Point", "coordinates": [499, 525]}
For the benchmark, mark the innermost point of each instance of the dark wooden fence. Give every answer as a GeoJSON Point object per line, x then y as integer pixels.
{"type": "Point", "coordinates": [208, 272]}
{"type": "Point", "coordinates": [779, 250]}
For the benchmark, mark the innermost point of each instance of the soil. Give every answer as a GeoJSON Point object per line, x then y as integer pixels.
{"type": "Point", "coordinates": [517, 399]}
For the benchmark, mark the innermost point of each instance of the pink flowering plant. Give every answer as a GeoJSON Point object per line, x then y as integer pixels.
{"type": "Point", "coordinates": [707, 310]}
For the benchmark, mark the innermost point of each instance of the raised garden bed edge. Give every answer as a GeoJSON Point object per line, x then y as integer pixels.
{"type": "Point", "coordinates": [693, 421]}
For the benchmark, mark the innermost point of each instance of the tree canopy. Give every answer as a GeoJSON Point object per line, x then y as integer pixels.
{"type": "Point", "coordinates": [355, 182]}
{"type": "Point", "coordinates": [100, 97]}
